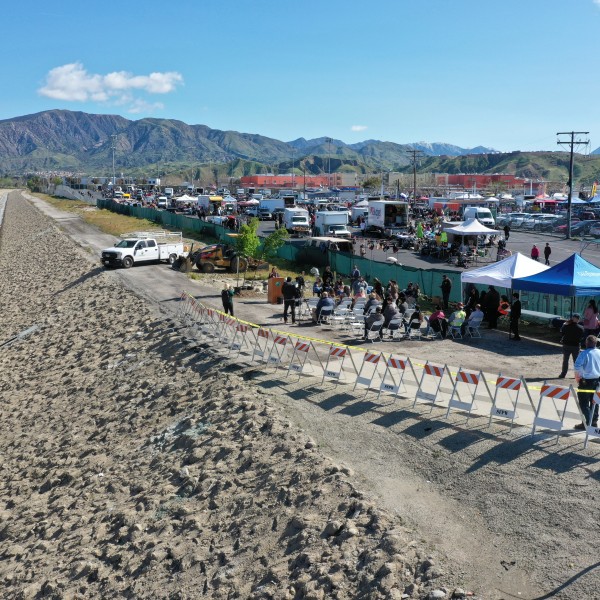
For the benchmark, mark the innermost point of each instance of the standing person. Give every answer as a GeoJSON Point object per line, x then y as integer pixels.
{"type": "Point", "coordinates": [446, 287]}
{"type": "Point", "coordinates": [587, 372]}
{"type": "Point", "coordinates": [571, 333]}
{"type": "Point", "coordinates": [547, 253]}
{"type": "Point", "coordinates": [506, 232]}
{"type": "Point", "coordinates": [492, 303]}
{"type": "Point", "coordinates": [290, 295]}
{"type": "Point", "coordinates": [227, 299]}
{"type": "Point", "coordinates": [354, 275]}
{"type": "Point", "coordinates": [515, 316]}
{"type": "Point", "coordinates": [535, 253]}
{"type": "Point", "coordinates": [590, 320]}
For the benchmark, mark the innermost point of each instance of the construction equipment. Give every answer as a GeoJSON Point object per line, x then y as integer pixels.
{"type": "Point", "coordinates": [209, 258]}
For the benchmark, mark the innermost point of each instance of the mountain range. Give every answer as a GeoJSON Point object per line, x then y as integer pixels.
{"type": "Point", "coordinates": [67, 140]}
{"type": "Point", "coordinates": [62, 140]}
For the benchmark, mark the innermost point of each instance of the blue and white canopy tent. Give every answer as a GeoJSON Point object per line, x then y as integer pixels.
{"type": "Point", "coordinates": [573, 277]}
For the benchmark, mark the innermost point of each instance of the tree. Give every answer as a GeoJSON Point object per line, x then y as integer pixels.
{"type": "Point", "coordinates": [274, 241]}
{"type": "Point", "coordinates": [247, 242]}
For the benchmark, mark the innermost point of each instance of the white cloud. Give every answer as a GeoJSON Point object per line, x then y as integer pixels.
{"type": "Point", "coordinates": [141, 106]}
{"type": "Point", "coordinates": [361, 127]}
{"type": "Point", "coordinates": [597, 2]}
{"type": "Point", "coordinates": [73, 83]}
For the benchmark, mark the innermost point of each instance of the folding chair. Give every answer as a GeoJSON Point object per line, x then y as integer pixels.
{"type": "Point", "coordinates": [435, 328]}
{"type": "Point", "coordinates": [455, 331]}
{"type": "Point", "coordinates": [374, 333]}
{"type": "Point", "coordinates": [472, 328]}
{"type": "Point", "coordinates": [394, 329]}
{"type": "Point", "coordinates": [324, 316]}
{"type": "Point", "coordinates": [414, 330]}
{"type": "Point", "coordinates": [339, 317]}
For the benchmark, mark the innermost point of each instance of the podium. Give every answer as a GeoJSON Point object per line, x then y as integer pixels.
{"type": "Point", "coordinates": [274, 289]}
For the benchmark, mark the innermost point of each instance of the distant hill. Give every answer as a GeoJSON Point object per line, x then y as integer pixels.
{"type": "Point", "coordinates": [78, 141]}
{"type": "Point", "coordinates": [62, 140]}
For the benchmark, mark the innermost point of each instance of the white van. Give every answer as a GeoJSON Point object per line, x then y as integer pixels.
{"type": "Point", "coordinates": [483, 215]}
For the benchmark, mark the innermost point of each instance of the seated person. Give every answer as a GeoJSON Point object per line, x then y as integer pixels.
{"type": "Point", "coordinates": [325, 302]}
{"type": "Point", "coordinates": [317, 287]}
{"type": "Point", "coordinates": [504, 307]}
{"type": "Point", "coordinates": [438, 321]}
{"type": "Point", "coordinates": [475, 317]}
{"type": "Point", "coordinates": [390, 312]}
{"type": "Point", "coordinates": [376, 317]}
{"type": "Point", "coordinates": [372, 302]}
{"type": "Point", "coordinates": [417, 316]}
{"type": "Point", "coordinates": [457, 318]}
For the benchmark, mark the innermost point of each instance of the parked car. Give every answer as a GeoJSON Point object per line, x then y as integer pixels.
{"type": "Point", "coordinates": [540, 222]}
{"type": "Point", "coordinates": [517, 219]}
{"type": "Point", "coordinates": [264, 214]}
{"type": "Point", "coordinates": [562, 226]}
{"type": "Point", "coordinates": [595, 231]}
{"type": "Point", "coordinates": [584, 227]}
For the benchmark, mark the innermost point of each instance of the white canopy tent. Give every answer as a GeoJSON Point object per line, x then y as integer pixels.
{"type": "Point", "coordinates": [472, 227]}
{"type": "Point", "coordinates": [502, 273]}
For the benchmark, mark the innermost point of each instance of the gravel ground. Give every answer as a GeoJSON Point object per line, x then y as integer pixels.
{"type": "Point", "coordinates": [134, 466]}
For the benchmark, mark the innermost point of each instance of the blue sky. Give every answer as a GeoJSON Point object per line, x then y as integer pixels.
{"type": "Point", "coordinates": [505, 74]}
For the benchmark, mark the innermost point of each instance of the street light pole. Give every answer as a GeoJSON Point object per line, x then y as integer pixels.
{"type": "Point", "coordinates": [114, 141]}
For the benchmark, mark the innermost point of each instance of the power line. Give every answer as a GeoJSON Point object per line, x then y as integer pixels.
{"type": "Point", "coordinates": [571, 142]}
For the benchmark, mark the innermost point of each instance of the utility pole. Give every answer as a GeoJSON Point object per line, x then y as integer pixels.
{"type": "Point", "coordinates": [415, 154]}
{"type": "Point", "coordinates": [571, 142]}
{"type": "Point", "coordinates": [114, 141]}
{"type": "Point", "coordinates": [329, 140]}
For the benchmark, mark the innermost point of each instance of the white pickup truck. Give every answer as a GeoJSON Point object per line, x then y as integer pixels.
{"type": "Point", "coordinates": [144, 247]}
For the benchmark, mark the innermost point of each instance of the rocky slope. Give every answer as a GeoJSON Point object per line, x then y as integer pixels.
{"type": "Point", "coordinates": [135, 466]}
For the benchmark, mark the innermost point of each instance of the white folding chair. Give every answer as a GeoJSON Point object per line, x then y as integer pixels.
{"type": "Point", "coordinates": [455, 331]}
{"type": "Point", "coordinates": [339, 316]}
{"type": "Point", "coordinates": [414, 330]}
{"type": "Point", "coordinates": [374, 332]}
{"type": "Point", "coordinates": [472, 328]}
{"type": "Point", "coordinates": [394, 329]}
{"type": "Point", "coordinates": [324, 316]}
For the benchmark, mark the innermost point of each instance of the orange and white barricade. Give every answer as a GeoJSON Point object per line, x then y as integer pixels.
{"type": "Point", "coordinates": [243, 338]}
{"type": "Point", "coordinates": [209, 324]}
{"type": "Point", "coordinates": [278, 345]}
{"type": "Point", "coordinates": [591, 430]}
{"type": "Point", "coordinates": [465, 390]}
{"type": "Point", "coordinates": [371, 361]}
{"type": "Point", "coordinates": [262, 343]}
{"type": "Point", "coordinates": [549, 395]}
{"type": "Point", "coordinates": [506, 397]}
{"type": "Point", "coordinates": [333, 368]}
{"type": "Point", "coordinates": [299, 359]}
{"type": "Point", "coordinates": [226, 329]}
{"type": "Point", "coordinates": [398, 366]}
{"type": "Point", "coordinates": [437, 372]}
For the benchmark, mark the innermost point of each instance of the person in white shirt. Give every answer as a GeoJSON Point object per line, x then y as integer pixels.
{"type": "Point", "coordinates": [587, 373]}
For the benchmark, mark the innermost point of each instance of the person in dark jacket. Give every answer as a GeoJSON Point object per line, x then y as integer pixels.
{"type": "Point", "coordinates": [492, 303]}
{"type": "Point", "coordinates": [571, 337]}
{"type": "Point", "coordinates": [290, 295]}
{"type": "Point", "coordinates": [515, 316]}
{"type": "Point", "coordinates": [446, 287]}
{"type": "Point", "coordinates": [227, 299]}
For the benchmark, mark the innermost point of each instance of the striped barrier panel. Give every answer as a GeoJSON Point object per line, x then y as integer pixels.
{"type": "Point", "coordinates": [262, 342]}
{"type": "Point", "coordinates": [464, 391]}
{"type": "Point", "coordinates": [370, 360]}
{"type": "Point", "coordinates": [508, 390]}
{"type": "Point", "coordinates": [398, 366]}
{"type": "Point", "coordinates": [299, 357]}
{"type": "Point", "coordinates": [278, 345]}
{"type": "Point", "coordinates": [549, 394]}
{"type": "Point", "coordinates": [436, 371]}
{"type": "Point", "coordinates": [338, 355]}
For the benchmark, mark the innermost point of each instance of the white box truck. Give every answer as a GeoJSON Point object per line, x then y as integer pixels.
{"type": "Point", "coordinates": [387, 213]}
{"type": "Point", "coordinates": [144, 247]}
{"type": "Point", "coordinates": [296, 221]}
{"type": "Point", "coordinates": [331, 223]}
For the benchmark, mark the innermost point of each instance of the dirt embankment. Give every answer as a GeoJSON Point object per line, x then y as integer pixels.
{"type": "Point", "coordinates": [135, 467]}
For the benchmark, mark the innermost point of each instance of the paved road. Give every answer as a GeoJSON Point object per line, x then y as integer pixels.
{"type": "Point", "coordinates": [519, 241]}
